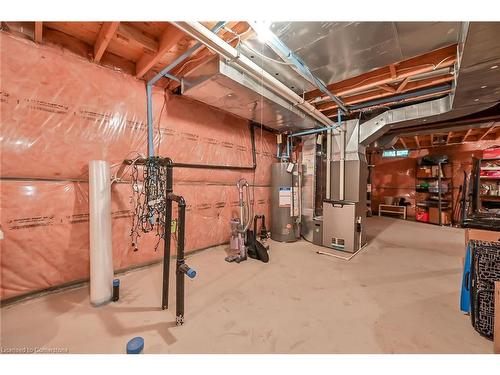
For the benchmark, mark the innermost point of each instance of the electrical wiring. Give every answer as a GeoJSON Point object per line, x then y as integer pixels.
{"type": "Point", "coordinates": [237, 36]}
{"type": "Point", "coordinates": [115, 178]}
{"type": "Point", "coordinates": [267, 57]}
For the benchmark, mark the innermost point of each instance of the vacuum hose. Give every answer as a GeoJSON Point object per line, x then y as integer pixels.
{"type": "Point", "coordinates": [245, 214]}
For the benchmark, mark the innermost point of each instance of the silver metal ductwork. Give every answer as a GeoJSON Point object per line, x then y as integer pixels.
{"type": "Point", "coordinates": [376, 127]}
{"type": "Point", "coordinates": [251, 70]}
{"type": "Point", "coordinates": [220, 84]}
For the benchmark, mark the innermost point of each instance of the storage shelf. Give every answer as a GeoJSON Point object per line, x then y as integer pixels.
{"type": "Point", "coordinates": [433, 178]}
{"type": "Point", "coordinates": [492, 159]}
{"type": "Point", "coordinates": [490, 198]}
{"type": "Point", "coordinates": [490, 168]}
{"type": "Point", "coordinates": [443, 193]}
{"type": "Point", "coordinates": [420, 190]}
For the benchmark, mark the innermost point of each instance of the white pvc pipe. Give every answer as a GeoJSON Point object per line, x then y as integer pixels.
{"type": "Point", "coordinates": [101, 251]}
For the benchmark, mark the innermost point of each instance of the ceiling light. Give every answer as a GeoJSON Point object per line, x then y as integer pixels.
{"type": "Point", "coordinates": [494, 67]}
{"type": "Point", "coordinates": [264, 34]}
{"type": "Point", "coordinates": [476, 100]}
{"type": "Point", "coordinates": [483, 86]}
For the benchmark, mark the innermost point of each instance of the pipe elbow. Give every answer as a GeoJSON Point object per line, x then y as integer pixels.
{"type": "Point", "coordinates": [181, 201]}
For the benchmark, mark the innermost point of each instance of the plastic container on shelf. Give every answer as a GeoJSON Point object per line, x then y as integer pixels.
{"type": "Point", "coordinates": [422, 216]}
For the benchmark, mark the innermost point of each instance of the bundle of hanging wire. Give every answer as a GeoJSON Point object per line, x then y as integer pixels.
{"type": "Point", "coordinates": [148, 200]}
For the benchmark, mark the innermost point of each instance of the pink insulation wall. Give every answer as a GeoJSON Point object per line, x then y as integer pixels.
{"type": "Point", "coordinates": [396, 177]}
{"type": "Point", "coordinates": [58, 111]}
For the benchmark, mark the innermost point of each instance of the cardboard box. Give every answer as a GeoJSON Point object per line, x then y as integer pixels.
{"type": "Point", "coordinates": [434, 216]}
{"type": "Point", "coordinates": [424, 172]}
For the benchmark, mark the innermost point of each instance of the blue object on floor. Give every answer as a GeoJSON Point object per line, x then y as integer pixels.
{"type": "Point", "coordinates": [135, 346]}
{"type": "Point", "coordinates": [466, 283]}
{"type": "Point", "coordinates": [191, 273]}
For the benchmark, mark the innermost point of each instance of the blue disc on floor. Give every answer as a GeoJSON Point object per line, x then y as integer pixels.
{"type": "Point", "coordinates": [135, 346]}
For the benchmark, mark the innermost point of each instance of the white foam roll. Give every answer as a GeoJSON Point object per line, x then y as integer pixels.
{"type": "Point", "coordinates": [101, 251]}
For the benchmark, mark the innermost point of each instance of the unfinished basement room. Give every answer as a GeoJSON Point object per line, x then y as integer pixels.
{"type": "Point", "coordinates": [249, 187]}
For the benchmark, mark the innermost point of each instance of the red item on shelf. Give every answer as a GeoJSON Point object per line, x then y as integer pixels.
{"type": "Point", "coordinates": [491, 153]}
{"type": "Point", "coordinates": [495, 174]}
{"type": "Point", "coordinates": [422, 216]}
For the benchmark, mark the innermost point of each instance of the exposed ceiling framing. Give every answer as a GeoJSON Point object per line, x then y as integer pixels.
{"type": "Point", "coordinates": [437, 138]}
{"type": "Point", "coordinates": [142, 49]}
{"type": "Point", "coordinates": [426, 71]}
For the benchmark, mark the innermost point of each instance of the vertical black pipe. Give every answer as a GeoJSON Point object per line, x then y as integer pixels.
{"type": "Point", "coordinates": [180, 263]}
{"type": "Point", "coordinates": [167, 233]}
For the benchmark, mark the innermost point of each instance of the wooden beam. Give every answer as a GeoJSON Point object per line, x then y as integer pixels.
{"type": "Point", "coordinates": [417, 142]}
{"type": "Point", "coordinates": [496, 327]}
{"type": "Point", "coordinates": [387, 88]}
{"type": "Point", "coordinates": [38, 32]}
{"type": "Point", "coordinates": [403, 142]}
{"type": "Point", "coordinates": [444, 57]}
{"type": "Point", "coordinates": [392, 69]}
{"type": "Point", "coordinates": [466, 135]}
{"type": "Point", "coordinates": [403, 84]}
{"type": "Point", "coordinates": [108, 30]}
{"type": "Point", "coordinates": [488, 131]}
{"type": "Point", "coordinates": [135, 36]}
{"type": "Point", "coordinates": [432, 139]}
{"type": "Point", "coordinates": [448, 137]}
{"type": "Point", "coordinates": [169, 38]}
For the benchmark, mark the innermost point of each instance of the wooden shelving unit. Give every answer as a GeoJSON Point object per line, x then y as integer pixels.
{"type": "Point", "coordinates": [487, 183]}
{"type": "Point", "coordinates": [434, 190]}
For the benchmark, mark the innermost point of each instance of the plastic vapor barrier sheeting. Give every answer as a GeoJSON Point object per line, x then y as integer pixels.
{"type": "Point", "coordinates": [101, 248]}
{"type": "Point", "coordinates": [59, 112]}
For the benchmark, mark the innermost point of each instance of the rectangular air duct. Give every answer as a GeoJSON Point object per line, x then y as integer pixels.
{"type": "Point", "coordinates": [221, 85]}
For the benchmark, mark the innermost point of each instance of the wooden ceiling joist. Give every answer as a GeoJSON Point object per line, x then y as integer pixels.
{"type": "Point", "coordinates": [402, 85]}
{"type": "Point", "coordinates": [387, 88]}
{"type": "Point", "coordinates": [108, 30]}
{"type": "Point", "coordinates": [467, 133]}
{"type": "Point", "coordinates": [441, 58]}
{"type": "Point", "coordinates": [487, 132]}
{"type": "Point", "coordinates": [38, 32]}
{"type": "Point", "coordinates": [392, 69]}
{"type": "Point", "coordinates": [417, 142]}
{"type": "Point", "coordinates": [168, 40]}
{"type": "Point", "coordinates": [137, 37]}
{"type": "Point", "coordinates": [401, 140]}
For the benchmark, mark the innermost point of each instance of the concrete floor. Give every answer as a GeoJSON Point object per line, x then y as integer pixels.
{"type": "Point", "coordinates": [399, 295]}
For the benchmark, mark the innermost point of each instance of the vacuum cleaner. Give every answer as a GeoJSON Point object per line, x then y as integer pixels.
{"type": "Point", "coordinates": [243, 242]}
{"type": "Point", "coordinates": [239, 226]}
